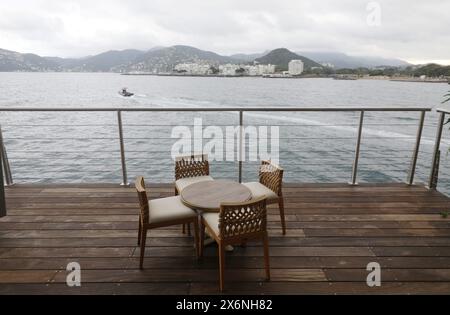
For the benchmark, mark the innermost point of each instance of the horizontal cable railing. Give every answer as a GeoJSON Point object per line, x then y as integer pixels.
{"type": "Point", "coordinates": [127, 144]}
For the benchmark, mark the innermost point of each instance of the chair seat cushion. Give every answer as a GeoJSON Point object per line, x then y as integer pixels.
{"type": "Point", "coordinates": [259, 190]}
{"type": "Point", "coordinates": [181, 184]}
{"type": "Point", "coordinates": [169, 209]}
{"type": "Point", "coordinates": [212, 219]}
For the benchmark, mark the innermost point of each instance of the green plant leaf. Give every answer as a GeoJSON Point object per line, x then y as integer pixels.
{"type": "Point", "coordinates": [448, 99]}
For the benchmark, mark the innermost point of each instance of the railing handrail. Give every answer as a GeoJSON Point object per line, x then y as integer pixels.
{"type": "Point", "coordinates": [443, 110]}
{"type": "Point", "coordinates": [219, 109]}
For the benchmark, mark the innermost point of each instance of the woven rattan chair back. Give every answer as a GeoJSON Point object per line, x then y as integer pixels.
{"type": "Point", "coordinates": [243, 221]}
{"type": "Point", "coordinates": [271, 176]}
{"type": "Point", "coordinates": [191, 166]}
{"type": "Point", "coordinates": [143, 199]}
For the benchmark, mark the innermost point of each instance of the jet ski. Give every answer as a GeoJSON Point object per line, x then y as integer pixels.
{"type": "Point", "coordinates": [125, 93]}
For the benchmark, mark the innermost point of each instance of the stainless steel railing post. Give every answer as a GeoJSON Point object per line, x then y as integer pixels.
{"type": "Point", "coordinates": [4, 157]}
{"type": "Point", "coordinates": [241, 143]}
{"type": "Point", "coordinates": [354, 181]}
{"type": "Point", "coordinates": [412, 169]}
{"type": "Point", "coordinates": [122, 150]}
{"type": "Point", "coordinates": [2, 192]}
{"type": "Point", "coordinates": [437, 146]}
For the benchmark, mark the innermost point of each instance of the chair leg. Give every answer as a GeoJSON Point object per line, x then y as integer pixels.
{"type": "Point", "coordinates": [221, 248]}
{"type": "Point", "coordinates": [184, 225]}
{"type": "Point", "coordinates": [283, 220]}
{"type": "Point", "coordinates": [202, 239]}
{"type": "Point", "coordinates": [196, 238]}
{"type": "Point", "coordinates": [143, 241]}
{"type": "Point", "coordinates": [139, 232]}
{"type": "Point", "coordinates": [266, 257]}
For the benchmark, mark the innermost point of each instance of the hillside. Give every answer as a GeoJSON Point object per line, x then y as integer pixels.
{"type": "Point", "coordinates": [14, 61]}
{"type": "Point", "coordinates": [341, 60]}
{"type": "Point", "coordinates": [282, 56]}
{"type": "Point", "coordinates": [248, 57]}
{"type": "Point", "coordinates": [164, 59]}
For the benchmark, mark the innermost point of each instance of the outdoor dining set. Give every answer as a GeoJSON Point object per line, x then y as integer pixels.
{"type": "Point", "coordinates": [230, 213]}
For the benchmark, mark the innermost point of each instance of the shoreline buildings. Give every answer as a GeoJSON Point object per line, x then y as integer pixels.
{"type": "Point", "coordinates": [224, 70]}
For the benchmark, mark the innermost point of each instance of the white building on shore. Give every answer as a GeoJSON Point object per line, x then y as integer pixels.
{"type": "Point", "coordinates": [193, 68]}
{"type": "Point", "coordinates": [260, 70]}
{"type": "Point", "coordinates": [254, 70]}
{"type": "Point", "coordinates": [225, 70]}
{"type": "Point", "coordinates": [296, 67]}
{"type": "Point", "coordinates": [228, 69]}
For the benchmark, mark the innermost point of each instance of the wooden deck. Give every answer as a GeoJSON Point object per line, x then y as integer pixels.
{"type": "Point", "coordinates": [334, 231]}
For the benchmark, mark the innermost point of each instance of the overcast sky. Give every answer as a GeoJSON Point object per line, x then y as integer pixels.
{"type": "Point", "coordinates": [414, 30]}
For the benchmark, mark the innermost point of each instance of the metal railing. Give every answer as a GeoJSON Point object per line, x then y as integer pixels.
{"type": "Point", "coordinates": [2, 192]}
{"type": "Point", "coordinates": [8, 177]}
{"type": "Point", "coordinates": [434, 173]}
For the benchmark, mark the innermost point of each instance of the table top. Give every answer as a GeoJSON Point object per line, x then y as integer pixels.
{"type": "Point", "coordinates": [208, 195]}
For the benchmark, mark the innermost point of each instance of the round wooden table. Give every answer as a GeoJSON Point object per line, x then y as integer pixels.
{"type": "Point", "coordinates": [208, 195]}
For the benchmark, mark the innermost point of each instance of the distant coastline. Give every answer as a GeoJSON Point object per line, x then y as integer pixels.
{"type": "Point", "coordinates": [270, 76]}
{"type": "Point", "coordinates": [305, 76]}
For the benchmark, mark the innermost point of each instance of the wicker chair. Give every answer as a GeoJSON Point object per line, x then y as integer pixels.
{"type": "Point", "coordinates": [190, 169]}
{"type": "Point", "coordinates": [236, 224]}
{"type": "Point", "coordinates": [162, 213]}
{"type": "Point", "coordinates": [270, 185]}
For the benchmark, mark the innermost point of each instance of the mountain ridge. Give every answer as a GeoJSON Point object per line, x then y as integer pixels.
{"type": "Point", "coordinates": [163, 59]}
{"type": "Point", "coordinates": [341, 60]}
{"type": "Point", "coordinates": [282, 56]}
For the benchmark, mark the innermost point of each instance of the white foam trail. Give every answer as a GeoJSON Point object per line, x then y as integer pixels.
{"type": "Point", "coordinates": [302, 121]}
{"type": "Point", "coordinates": [350, 129]}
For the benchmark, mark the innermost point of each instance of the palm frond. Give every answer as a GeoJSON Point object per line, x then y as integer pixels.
{"type": "Point", "coordinates": [448, 99]}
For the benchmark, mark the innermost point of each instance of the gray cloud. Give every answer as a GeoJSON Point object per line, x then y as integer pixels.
{"type": "Point", "coordinates": [412, 30]}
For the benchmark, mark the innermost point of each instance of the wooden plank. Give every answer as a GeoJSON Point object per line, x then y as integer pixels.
{"type": "Point", "coordinates": [190, 262]}
{"type": "Point", "coordinates": [193, 275]}
{"type": "Point", "coordinates": [391, 275]}
{"type": "Point", "coordinates": [60, 263]}
{"type": "Point", "coordinates": [412, 251]}
{"type": "Point", "coordinates": [184, 241]}
{"type": "Point", "coordinates": [26, 276]}
{"type": "Point", "coordinates": [372, 217]}
{"type": "Point", "coordinates": [378, 232]}
{"type": "Point", "coordinates": [288, 194]}
{"type": "Point", "coordinates": [97, 289]}
{"type": "Point", "coordinates": [322, 288]}
{"type": "Point", "coordinates": [66, 234]}
{"type": "Point", "coordinates": [71, 218]}
{"type": "Point", "coordinates": [258, 252]}
{"type": "Point", "coordinates": [131, 198]}
{"type": "Point", "coordinates": [404, 225]}
{"type": "Point", "coordinates": [131, 225]}
{"type": "Point", "coordinates": [65, 252]}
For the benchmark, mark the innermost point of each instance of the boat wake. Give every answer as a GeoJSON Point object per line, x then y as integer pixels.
{"type": "Point", "coordinates": [167, 103]}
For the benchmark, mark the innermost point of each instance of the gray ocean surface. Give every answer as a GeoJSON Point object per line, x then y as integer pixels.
{"type": "Point", "coordinates": [315, 147]}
